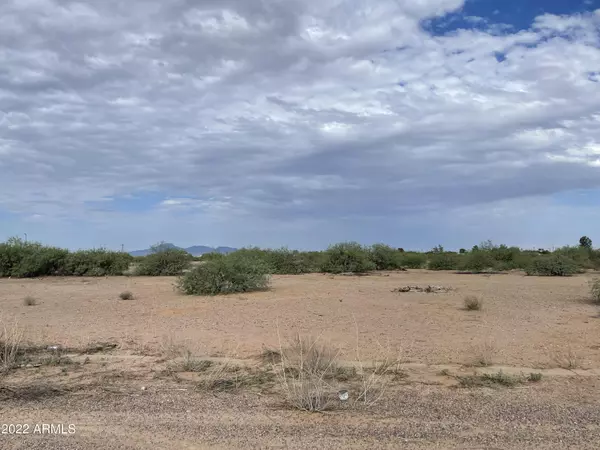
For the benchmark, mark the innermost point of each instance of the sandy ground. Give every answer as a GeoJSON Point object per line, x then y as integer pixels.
{"type": "Point", "coordinates": [124, 398]}
{"type": "Point", "coordinates": [527, 319]}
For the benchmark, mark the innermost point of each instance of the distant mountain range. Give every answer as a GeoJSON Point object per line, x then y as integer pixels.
{"type": "Point", "coordinates": [196, 250]}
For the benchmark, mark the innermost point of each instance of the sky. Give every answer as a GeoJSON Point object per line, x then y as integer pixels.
{"type": "Point", "coordinates": [300, 123]}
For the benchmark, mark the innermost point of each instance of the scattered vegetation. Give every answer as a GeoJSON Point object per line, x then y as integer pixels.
{"type": "Point", "coordinates": [490, 380]}
{"type": "Point", "coordinates": [22, 259]}
{"type": "Point", "coordinates": [473, 303]}
{"type": "Point", "coordinates": [232, 274]}
{"type": "Point", "coordinates": [534, 377]}
{"type": "Point", "coordinates": [126, 295]}
{"type": "Point", "coordinates": [30, 259]}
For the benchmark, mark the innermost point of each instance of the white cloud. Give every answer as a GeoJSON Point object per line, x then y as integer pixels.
{"type": "Point", "coordinates": [303, 111]}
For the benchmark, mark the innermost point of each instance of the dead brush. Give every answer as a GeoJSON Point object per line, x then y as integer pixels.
{"type": "Point", "coordinates": [375, 380]}
{"type": "Point", "coordinates": [484, 354]}
{"type": "Point", "coordinates": [228, 377]}
{"type": "Point", "coordinates": [11, 338]}
{"type": "Point", "coordinates": [566, 358]}
{"type": "Point", "coordinates": [595, 290]}
{"type": "Point", "coordinates": [304, 371]}
{"type": "Point", "coordinates": [472, 303]}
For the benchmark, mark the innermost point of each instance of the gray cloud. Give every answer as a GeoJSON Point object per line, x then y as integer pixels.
{"type": "Point", "coordinates": [295, 110]}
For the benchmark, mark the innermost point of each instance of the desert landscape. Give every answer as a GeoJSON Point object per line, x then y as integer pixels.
{"type": "Point", "coordinates": [519, 370]}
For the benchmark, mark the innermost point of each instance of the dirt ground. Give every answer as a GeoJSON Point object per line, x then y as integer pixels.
{"type": "Point", "coordinates": [124, 396]}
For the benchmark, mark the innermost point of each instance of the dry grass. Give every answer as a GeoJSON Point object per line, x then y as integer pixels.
{"type": "Point", "coordinates": [473, 303]}
{"type": "Point", "coordinates": [29, 301]}
{"type": "Point", "coordinates": [11, 338]}
{"type": "Point", "coordinates": [484, 354]}
{"type": "Point", "coordinates": [304, 372]}
{"type": "Point", "coordinates": [191, 364]}
{"type": "Point", "coordinates": [566, 358]}
{"type": "Point", "coordinates": [595, 290]}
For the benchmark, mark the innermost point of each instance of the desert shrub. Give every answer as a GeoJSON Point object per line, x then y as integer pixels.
{"type": "Point", "coordinates": [552, 265]}
{"type": "Point", "coordinates": [212, 256]}
{"type": "Point", "coordinates": [595, 290]}
{"type": "Point", "coordinates": [534, 377]}
{"type": "Point", "coordinates": [30, 259]}
{"type": "Point", "coordinates": [385, 257]}
{"type": "Point", "coordinates": [443, 261]}
{"type": "Point", "coordinates": [413, 260]}
{"type": "Point", "coordinates": [234, 273]}
{"type": "Point", "coordinates": [126, 295]}
{"type": "Point", "coordinates": [164, 262]}
{"type": "Point", "coordinates": [472, 303]}
{"type": "Point", "coordinates": [347, 257]}
{"type": "Point", "coordinates": [478, 261]}
{"type": "Point", "coordinates": [97, 263]}
{"type": "Point", "coordinates": [582, 257]}
{"type": "Point", "coordinates": [292, 262]}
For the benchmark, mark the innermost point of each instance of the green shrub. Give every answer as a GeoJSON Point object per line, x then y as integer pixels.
{"type": "Point", "coordinates": [443, 261]}
{"type": "Point", "coordinates": [234, 273]}
{"type": "Point", "coordinates": [212, 256]}
{"type": "Point", "coordinates": [582, 257]}
{"type": "Point", "coordinates": [164, 262]}
{"type": "Point", "coordinates": [347, 257]}
{"type": "Point", "coordinates": [97, 263]}
{"type": "Point", "coordinates": [385, 257]}
{"type": "Point", "coordinates": [29, 259]}
{"type": "Point", "coordinates": [289, 262]}
{"type": "Point", "coordinates": [413, 260]}
{"type": "Point", "coordinates": [478, 261]}
{"type": "Point", "coordinates": [552, 266]}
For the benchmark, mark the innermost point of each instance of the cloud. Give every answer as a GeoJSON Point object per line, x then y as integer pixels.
{"type": "Point", "coordinates": [262, 113]}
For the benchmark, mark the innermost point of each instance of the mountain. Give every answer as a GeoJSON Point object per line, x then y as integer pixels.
{"type": "Point", "coordinates": [195, 250]}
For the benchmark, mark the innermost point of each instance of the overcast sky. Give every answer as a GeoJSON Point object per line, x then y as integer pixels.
{"type": "Point", "coordinates": [300, 122]}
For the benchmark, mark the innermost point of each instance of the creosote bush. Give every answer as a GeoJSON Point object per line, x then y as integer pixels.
{"type": "Point", "coordinates": [232, 274]}
{"type": "Point", "coordinates": [443, 261]}
{"type": "Point", "coordinates": [412, 260]}
{"type": "Point", "coordinates": [347, 257]}
{"type": "Point", "coordinates": [97, 263]}
{"type": "Point", "coordinates": [31, 259]}
{"type": "Point", "coordinates": [552, 266]}
{"type": "Point", "coordinates": [164, 261]}
{"type": "Point", "coordinates": [385, 257]}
